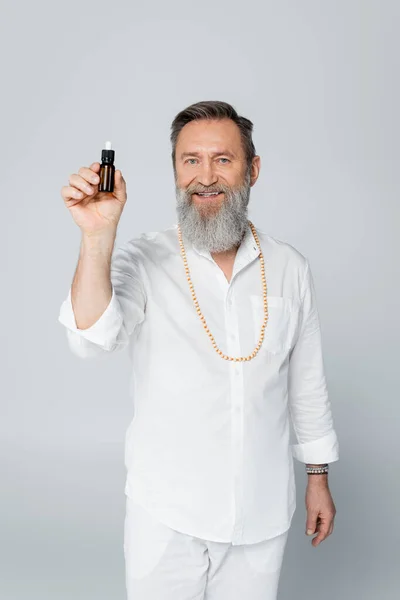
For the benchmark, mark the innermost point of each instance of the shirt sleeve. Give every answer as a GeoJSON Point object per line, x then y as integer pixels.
{"type": "Point", "coordinates": [126, 309]}
{"type": "Point", "coordinates": [309, 402]}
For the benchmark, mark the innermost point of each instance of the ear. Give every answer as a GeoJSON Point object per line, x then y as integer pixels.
{"type": "Point", "coordinates": [255, 170]}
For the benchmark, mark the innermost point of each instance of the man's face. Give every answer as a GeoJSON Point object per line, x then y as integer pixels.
{"type": "Point", "coordinates": [210, 160]}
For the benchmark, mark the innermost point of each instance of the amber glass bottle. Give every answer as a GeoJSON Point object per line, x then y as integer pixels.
{"type": "Point", "coordinates": [107, 169]}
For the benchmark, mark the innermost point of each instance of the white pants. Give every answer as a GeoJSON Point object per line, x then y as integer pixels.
{"type": "Point", "coordinates": [164, 564]}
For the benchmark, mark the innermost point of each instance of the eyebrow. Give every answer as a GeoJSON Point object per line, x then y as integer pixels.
{"type": "Point", "coordinates": [226, 152]}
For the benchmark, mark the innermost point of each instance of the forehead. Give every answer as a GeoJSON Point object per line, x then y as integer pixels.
{"type": "Point", "coordinates": [209, 135]}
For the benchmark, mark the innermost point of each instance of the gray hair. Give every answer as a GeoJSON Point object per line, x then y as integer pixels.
{"type": "Point", "coordinates": [213, 109]}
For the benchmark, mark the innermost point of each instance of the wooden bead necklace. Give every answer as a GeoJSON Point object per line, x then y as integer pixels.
{"type": "Point", "coordinates": [264, 284]}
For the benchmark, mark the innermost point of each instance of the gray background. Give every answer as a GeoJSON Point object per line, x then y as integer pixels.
{"type": "Point", "coordinates": [320, 82]}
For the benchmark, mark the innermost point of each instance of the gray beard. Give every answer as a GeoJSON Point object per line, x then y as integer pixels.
{"type": "Point", "coordinates": [214, 229]}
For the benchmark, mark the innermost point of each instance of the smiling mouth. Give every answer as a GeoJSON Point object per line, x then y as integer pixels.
{"type": "Point", "coordinates": [208, 195]}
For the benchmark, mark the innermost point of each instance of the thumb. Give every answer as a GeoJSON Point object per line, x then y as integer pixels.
{"type": "Point", "coordinates": [311, 524]}
{"type": "Point", "coordinates": [119, 186]}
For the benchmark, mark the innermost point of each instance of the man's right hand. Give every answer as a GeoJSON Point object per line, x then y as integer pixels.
{"type": "Point", "coordinates": [94, 212]}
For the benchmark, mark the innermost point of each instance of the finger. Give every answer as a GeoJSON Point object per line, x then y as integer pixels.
{"type": "Point", "coordinates": [119, 179]}
{"type": "Point", "coordinates": [81, 184]}
{"type": "Point", "coordinates": [322, 534]}
{"type": "Point", "coordinates": [88, 175]}
{"type": "Point", "coordinates": [120, 186]}
{"type": "Point", "coordinates": [330, 523]}
{"type": "Point", "coordinates": [311, 523]}
{"type": "Point", "coordinates": [71, 194]}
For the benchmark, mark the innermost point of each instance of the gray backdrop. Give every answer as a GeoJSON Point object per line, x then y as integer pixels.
{"type": "Point", "coordinates": [320, 82]}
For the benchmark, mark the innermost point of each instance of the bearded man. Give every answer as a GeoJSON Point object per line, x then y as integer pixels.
{"type": "Point", "coordinates": [222, 328]}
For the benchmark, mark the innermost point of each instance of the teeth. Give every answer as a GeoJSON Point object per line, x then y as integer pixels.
{"type": "Point", "coordinates": [211, 194]}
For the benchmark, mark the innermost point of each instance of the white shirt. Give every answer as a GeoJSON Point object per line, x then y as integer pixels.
{"type": "Point", "coordinates": [208, 450]}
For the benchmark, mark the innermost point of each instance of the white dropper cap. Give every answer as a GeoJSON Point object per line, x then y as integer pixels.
{"type": "Point", "coordinates": [107, 146]}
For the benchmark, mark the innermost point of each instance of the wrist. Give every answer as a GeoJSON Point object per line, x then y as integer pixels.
{"type": "Point", "coordinates": [99, 243]}
{"type": "Point", "coordinates": [320, 481]}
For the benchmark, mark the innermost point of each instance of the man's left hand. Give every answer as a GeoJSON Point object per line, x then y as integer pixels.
{"type": "Point", "coordinates": [320, 508]}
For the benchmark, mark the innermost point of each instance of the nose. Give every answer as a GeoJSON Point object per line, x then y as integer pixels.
{"type": "Point", "coordinates": [207, 175]}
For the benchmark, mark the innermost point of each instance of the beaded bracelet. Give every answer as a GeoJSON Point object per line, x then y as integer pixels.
{"type": "Point", "coordinates": [317, 470]}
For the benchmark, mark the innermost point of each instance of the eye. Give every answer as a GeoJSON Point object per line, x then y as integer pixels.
{"type": "Point", "coordinates": [227, 159]}
{"type": "Point", "coordinates": [189, 160]}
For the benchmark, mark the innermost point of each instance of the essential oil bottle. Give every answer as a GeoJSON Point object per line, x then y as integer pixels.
{"type": "Point", "coordinates": [107, 169]}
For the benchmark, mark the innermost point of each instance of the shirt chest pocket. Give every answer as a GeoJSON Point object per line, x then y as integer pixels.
{"type": "Point", "coordinates": [278, 332]}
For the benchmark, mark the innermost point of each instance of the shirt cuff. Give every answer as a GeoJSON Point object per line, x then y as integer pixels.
{"type": "Point", "coordinates": [104, 331]}
{"type": "Point", "coordinates": [320, 451]}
